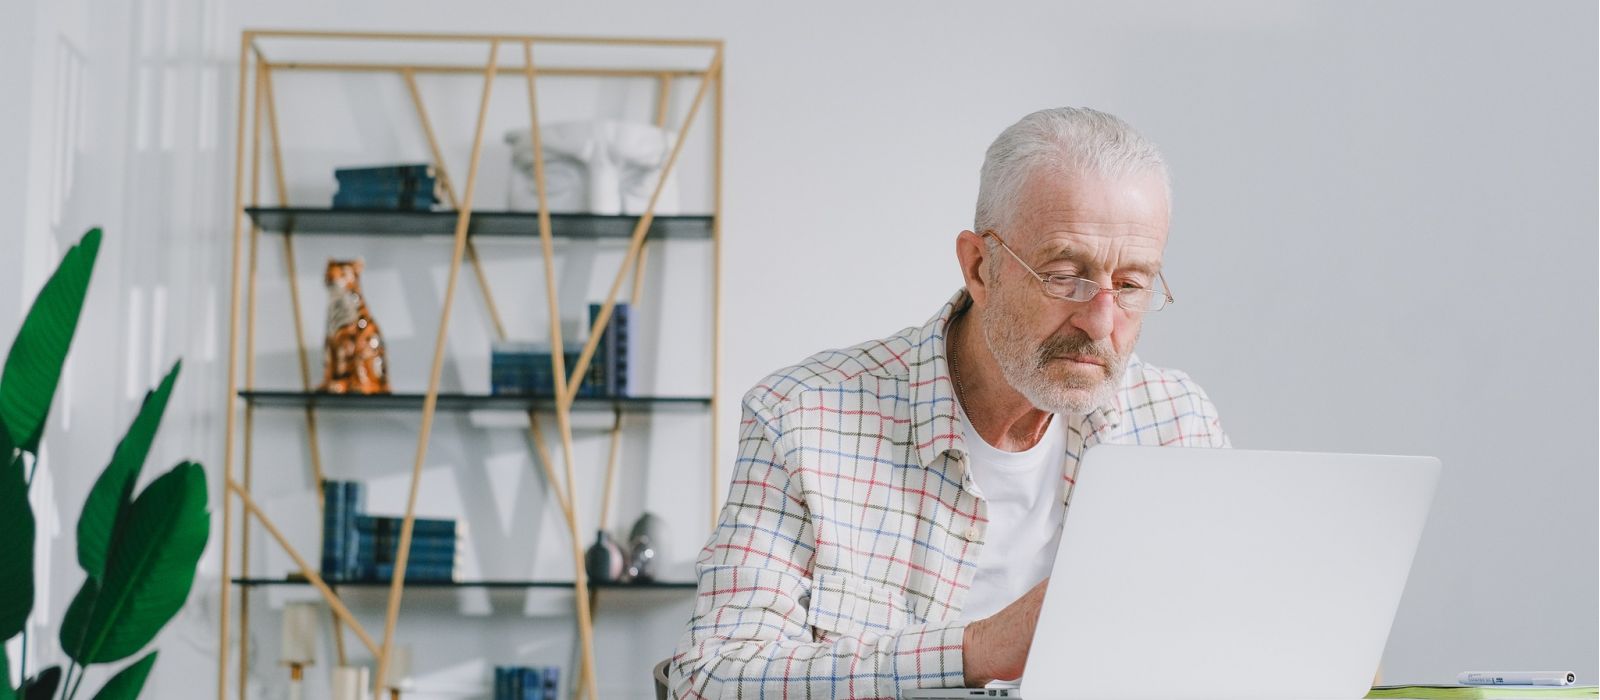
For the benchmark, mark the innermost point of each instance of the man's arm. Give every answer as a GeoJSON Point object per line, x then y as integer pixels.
{"type": "Point", "coordinates": [996, 647]}
{"type": "Point", "coordinates": [751, 633]}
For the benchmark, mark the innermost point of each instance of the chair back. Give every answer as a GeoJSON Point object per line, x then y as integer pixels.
{"type": "Point", "coordinates": [660, 675]}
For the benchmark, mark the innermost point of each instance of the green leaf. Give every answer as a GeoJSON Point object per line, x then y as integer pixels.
{"type": "Point", "coordinates": [107, 507]}
{"type": "Point", "coordinates": [6, 448]}
{"type": "Point", "coordinates": [33, 367]}
{"type": "Point", "coordinates": [148, 573]}
{"type": "Point", "coordinates": [75, 624]}
{"type": "Point", "coordinates": [6, 692]}
{"type": "Point", "coordinates": [42, 686]}
{"type": "Point", "coordinates": [129, 681]}
{"type": "Point", "coordinates": [16, 541]}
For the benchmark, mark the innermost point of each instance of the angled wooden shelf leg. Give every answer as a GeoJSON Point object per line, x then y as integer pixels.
{"type": "Point", "coordinates": [251, 299]}
{"type": "Point", "coordinates": [245, 41]}
{"type": "Point", "coordinates": [563, 401]}
{"type": "Point", "coordinates": [403, 551]}
{"type": "Point", "coordinates": [333, 600]}
{"type": "Point", "coordinates": [313, 444]}
{"type": "Point", "coordinates": [716, 288]}
{"type": "Point", "coordinates": [450, 195]}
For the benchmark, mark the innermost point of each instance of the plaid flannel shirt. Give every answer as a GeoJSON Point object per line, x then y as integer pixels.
{"type": "Point", "coordinates": [851, 532]}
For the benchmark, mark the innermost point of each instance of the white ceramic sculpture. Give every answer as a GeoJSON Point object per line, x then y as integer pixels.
{"type": "Point", "coordinates": [595, 167]}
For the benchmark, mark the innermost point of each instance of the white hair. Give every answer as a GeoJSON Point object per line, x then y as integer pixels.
{"type": "Point", "coordinates": [1066, 140]}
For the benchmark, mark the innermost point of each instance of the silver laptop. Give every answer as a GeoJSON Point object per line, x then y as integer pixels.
{"type": "Point", "coordinates": [1206, 574]}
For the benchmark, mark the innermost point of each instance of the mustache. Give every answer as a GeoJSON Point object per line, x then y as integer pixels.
{"type": "Point", "coordinates": [1058, 346]}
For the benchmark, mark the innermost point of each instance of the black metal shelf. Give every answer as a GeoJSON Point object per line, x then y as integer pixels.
{"type": "Point", "coordinates": [388, 222]}
{"type": "Point", "coordinates": [467, 402]}
{"type": "Point", "coordinates": [500, 584]}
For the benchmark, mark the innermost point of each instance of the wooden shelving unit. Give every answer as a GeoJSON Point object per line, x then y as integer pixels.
{"type": "Point", "coordinates": [564, 585]}
{"type": "Point", "coordinates": [258, 118]}
{"type": "Point", "coordinates": [468, 402]}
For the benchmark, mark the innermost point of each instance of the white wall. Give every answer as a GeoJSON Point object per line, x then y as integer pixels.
{"type": "Point", "coordinates": [1384, 241]}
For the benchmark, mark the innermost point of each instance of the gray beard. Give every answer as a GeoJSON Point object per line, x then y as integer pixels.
{"type": "Point", "coordinates": [1024, 367]}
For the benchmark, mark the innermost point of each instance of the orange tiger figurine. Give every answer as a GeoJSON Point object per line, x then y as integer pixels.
{"type": "Point", "coordinates": [353, 358]}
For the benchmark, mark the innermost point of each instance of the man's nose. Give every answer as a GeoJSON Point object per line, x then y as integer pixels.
{"type": "Point", "coordinates": [1096, 316]}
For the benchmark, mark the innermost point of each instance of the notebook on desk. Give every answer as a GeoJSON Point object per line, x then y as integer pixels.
{"type": "Point", "coordinates": [1202, 574]}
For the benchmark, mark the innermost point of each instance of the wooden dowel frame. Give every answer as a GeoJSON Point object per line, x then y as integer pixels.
{"type": "Point", "coordinates": [254, 63]}
{"type": "Point", "coordinates": [500, 72]}
{"type": "Point", "coordinates": [231, 404]}
{"type": "Point", "coordinates": [447, 37]}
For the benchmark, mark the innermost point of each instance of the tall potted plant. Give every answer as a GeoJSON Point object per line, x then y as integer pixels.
{"type": "Point", "coordinates": [138, 551]}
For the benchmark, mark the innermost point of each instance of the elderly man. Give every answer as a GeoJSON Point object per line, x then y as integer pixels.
{"type": "Point", "coordinates": [895, 506]}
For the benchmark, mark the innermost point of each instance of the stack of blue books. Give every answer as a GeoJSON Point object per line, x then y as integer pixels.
{"type": "Point", "coordinates": [361, 547]}
{"type": "Point", "coordinates": [342, 501]}
{"type": "Point", "coordinates": [433, 548]}
{"type": "Point", "coordinates": [523, 369]}
{"type": "Point", "coordinates": [403, 187]}
{"type": "Point", "coordinates": [526, 683]}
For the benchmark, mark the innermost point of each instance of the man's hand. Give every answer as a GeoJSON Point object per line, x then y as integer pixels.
{"type": "Point", "coordinates": [996, 647]}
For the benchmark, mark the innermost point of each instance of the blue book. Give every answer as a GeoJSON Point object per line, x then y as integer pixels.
{"type": "Point", "coordinates": [611, 357]}
{"type": "Point", "coordinates": [528, 374]}
{"type": "Point", "coordinates": [342, 500]}
{"type": "Point", "coordinates": [386, 548]}
{"type": "Point", "coordinates": [418, 572]}
{"type": "Point", "coordinates": [532, 687]}
{"type": "Point", "coordinates": [355, 501]}
{"type": "Point", "coordinates": [552, 683]}
{"type": "Point", "coordinates": [433, 546]}
{"type": "Point", "coordinates": [419, 526]}
{"type": "Point", "coordinates": [398, 171]}
{"type": "Point", "coordinates": [330, 545]}
{"type": "Point", "coordinates": [434, 560]}
{"type": "Point", "coordinates": [400, 202]}
{"type": "Point", "coordinates": [385, 186]}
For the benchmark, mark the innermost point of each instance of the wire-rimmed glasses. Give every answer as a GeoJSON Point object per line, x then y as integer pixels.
{"type": "Point", "coordinates": [1073, 288]}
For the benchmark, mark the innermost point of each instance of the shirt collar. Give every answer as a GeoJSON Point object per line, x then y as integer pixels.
{"type": "Point", "coordinates": [933, 401]}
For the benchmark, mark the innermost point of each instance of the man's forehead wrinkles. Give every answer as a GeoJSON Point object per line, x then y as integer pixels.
{"type": "Point", "coordinates": [1127, 254]}
{"type": "Point", "coordinates": [1061, 241]}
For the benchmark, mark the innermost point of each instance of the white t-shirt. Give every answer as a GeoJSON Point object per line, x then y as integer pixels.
{"type": "Point", "coordinates": [1023, 492]}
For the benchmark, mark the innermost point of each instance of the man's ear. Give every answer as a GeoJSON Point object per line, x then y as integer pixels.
{"type": "Point", "coordinates": [971, 253]}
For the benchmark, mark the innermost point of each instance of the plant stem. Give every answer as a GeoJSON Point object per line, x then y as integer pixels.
{"type": "Point", "coordinates": [82, 671]}
{"type": "Point", "coordinates": [22, 666]}
{"type": "Point", "coordinates": [66, 682]}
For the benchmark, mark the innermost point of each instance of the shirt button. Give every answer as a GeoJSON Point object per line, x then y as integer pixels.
{"type": "Point", "coordinates": [973, 534]}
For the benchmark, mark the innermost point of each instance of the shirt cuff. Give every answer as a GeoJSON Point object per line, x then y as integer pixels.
{"type": "Point", "coordinates": [929, 656]}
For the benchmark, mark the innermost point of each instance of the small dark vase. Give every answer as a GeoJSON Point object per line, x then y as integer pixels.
{"type": "Point", "coordinates": [604, 561]}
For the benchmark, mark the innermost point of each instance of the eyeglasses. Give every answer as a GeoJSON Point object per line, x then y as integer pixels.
{"type": "Point", "coordinates": [1072, 288]}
